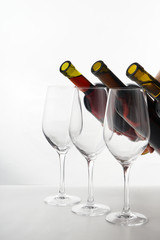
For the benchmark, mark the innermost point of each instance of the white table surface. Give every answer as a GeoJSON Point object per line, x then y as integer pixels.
{"type": "Point", "coordinates": [24, 216]}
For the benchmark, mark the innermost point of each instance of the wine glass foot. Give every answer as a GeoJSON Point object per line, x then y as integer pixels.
{"type": "Point", "coordinates": [133, 219]}
{"type": "Point", "coordinates": [94, 210]}
{"type": "Point", "coordinates": [66, 200]}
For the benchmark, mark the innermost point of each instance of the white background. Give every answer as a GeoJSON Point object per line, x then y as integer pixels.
{"type": "Point", "coordinates": [36, 37]}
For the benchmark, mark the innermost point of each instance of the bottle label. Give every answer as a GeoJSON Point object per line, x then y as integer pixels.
{"type": "Point", "coordinates": [148, 83]}
{"type": "Point", "coordinates": [152, 88]}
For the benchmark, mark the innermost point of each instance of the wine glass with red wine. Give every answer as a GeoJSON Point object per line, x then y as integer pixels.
{"type": "Point", "coordinates": [56, 119]}
{"type": "Point", "coordinates": [126, 134]}
{"type": "Point", "coordinates": [86, 132]}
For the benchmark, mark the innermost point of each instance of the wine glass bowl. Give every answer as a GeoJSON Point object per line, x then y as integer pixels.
{"type": "Point", "coordinates": [86, 132]}
{"type": "Point", "coordinates": [126, 134]}
{"type": "Point", "coordinates": [56, 119]}
{"type": "Point", "coordinates": [127, 123]}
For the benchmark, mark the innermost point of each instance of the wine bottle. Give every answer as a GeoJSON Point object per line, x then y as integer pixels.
{"type": "Point", "coordinates": [100, 70]}
{"type": "Point", "coordinates": [137, 73]}
{"type": "Point", "coordinates": [92, 96]}
{"type": "Point", "coordinates": [105, 75]}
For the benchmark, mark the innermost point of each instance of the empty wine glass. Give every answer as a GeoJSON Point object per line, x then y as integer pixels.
{"type": "Point", "coordinates": [86, 132]}
{"type": "Point", "coordinates": [56, 118]}
{"type": "Point", "coordinates": [126, 134]}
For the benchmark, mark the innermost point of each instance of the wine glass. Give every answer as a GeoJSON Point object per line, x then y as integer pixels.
{"type": "Point", "coordinates": [86, 132]}
{"type": "Point", "coordinates": [126, 134]}
{"type": "Point", "coordinates": [56, 118]}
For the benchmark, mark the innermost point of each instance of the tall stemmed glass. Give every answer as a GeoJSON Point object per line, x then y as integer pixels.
{"type": "Point", "coordinates": [56, 118]}
{"type": "Point", "coordinates": [126, 134]}
{"type": "Point", "coordinates": [86, 132]}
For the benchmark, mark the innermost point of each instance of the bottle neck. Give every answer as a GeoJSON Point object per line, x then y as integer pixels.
{"type": "Point", "coordinates": [69, 71]}
{"type": "Point", "coordinates": [105, 75]}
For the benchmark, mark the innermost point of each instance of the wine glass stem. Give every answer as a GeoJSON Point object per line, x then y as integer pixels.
{"type": "Point", "coordinates": [90, 200]}
{"type": "Point", "coordinates": [62, 157]}
{"type": "Point", "coordinates": [126, 207]}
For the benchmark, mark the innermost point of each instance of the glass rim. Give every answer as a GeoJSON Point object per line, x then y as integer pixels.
{"type": "Point", "coordinates": [127, 88]}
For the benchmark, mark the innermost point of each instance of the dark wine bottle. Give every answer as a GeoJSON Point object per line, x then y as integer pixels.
{"type": "Point", "coordinates": [100, 70]}
{"type": "Point", "coordinates": [92, 95]}
{"type": "Point", "coordinates": [105, 75]}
